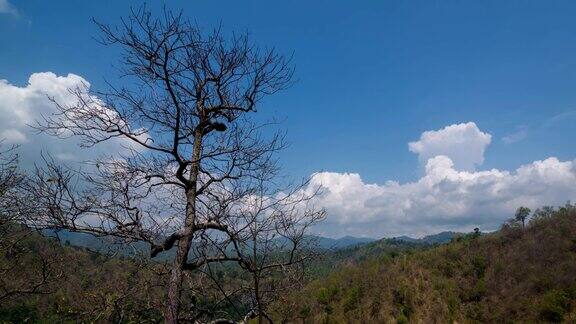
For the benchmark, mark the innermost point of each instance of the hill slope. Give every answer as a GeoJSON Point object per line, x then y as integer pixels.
{"type": "Point", "coordinates": [440, 238]}
{"type": "Point", "coordinates": [516, 274]}
{"type": "Point", "coordinates": [44, 281]}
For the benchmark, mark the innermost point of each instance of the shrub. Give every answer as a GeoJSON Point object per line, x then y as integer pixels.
{"type": "Point", "coordinates": [479, 265]}
{"type": "Point", "coordinates": [351, 299]}
{"type": "Point", "coordinates": [403, 300]}
{"type": "Point", "coordinates": [325, 295]}
{"type": "Point", "coordinates": [18, 314]}
{"type": "Point", "coordinates": [479, 290]}
{"type": "Point", "coordinates": [554, 305]}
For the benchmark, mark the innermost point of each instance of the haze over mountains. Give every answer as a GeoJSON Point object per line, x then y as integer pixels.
{"type": "Point", "coordinates": [325, 243]}
{"type": "Point", "coordinates": [440, 238]}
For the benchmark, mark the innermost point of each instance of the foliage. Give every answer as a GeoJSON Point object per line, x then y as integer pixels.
{"type": "Point", "coordinates": [513, 275]}
{"type": "Point", "coordinates": [516, 274]}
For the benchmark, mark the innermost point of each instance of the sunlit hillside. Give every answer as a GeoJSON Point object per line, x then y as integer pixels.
{"type": "Point", "coordinates": [514, 275]}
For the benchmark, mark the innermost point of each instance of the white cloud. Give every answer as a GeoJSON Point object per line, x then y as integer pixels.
{"type": "Point", "coordinates": [520, 134]}
{"type": "Point", "coordinates": [13, 136]}
{"type": "Point", "coordinates": [450, 195]}
{"type": "Point", "coordinates": [7, 8]}
{"type": "Point", "coordinates": [23, 106]}
{"type": "Point", "coordinates": [463, 143]}
{"type": "Point", "coordinates": [445, 197]}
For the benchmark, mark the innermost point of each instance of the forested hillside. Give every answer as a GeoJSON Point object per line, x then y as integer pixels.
{"type": "Point", "coordinates": [518, 274]}
{"type": "Point", "coordinates": [43, 280]}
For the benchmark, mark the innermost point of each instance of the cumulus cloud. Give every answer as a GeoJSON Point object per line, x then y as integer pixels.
{"type": "Point", "coordinates": [445, 197]}
{"type": "Point", "coordinates": [463, 143]}
{"type": "Point", "coordinates": [451, 194]}
{"type": "Point", "coordinates": [23, 106]}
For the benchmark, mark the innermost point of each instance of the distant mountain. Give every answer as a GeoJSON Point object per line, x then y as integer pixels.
{"type": "Point", "coordinates": [405, 238]}
{"type": "Point", "coordinates": [78, 239]}
{"type": "Point", "coordinates": [343, 242]}
{"type": "Point", "coordinates": [440, 238]}
{"type": "Point", "coordinates": [104, 244]}
{"type": "Point", "coordinates": [325, 243]}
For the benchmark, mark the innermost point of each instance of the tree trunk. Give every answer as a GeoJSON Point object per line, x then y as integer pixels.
{"type": "Point", "coordinates": [258, 301]}
{"type": "Point", "coordinates": [256, 278]}
{"type": "Point", "coordinates": [176, 278]}
{"type": "Point", "coordinates": [175, 285]}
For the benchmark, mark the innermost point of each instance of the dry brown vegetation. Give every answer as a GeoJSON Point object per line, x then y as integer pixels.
{"type": "Point", "coordinates": [514, 275]}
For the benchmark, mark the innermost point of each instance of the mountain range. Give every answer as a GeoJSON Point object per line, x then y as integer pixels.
{"type": "Point", "coordinates": [325, 243]}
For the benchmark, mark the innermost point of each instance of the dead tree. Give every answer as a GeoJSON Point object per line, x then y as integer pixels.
{"type": "Point", "coordinates": [279, 247]}
{"type": "Point", "coordinates": [273, 246]}
{"type": "Point", "coordinates": [193, 157]}
{"type": "Point", "coordinates": [15, 247]}
{"type": "Point", "coordinates": [10, 181]}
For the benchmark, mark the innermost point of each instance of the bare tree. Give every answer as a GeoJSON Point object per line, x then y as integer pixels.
{"type": "Point", "coordinates": [14, 245]}
{"type": "Point", "coordinates": [10, 180]}
{"type": "Point", "coordinates": [274, 246]}
{"type": "Point", "coordinates": [194, 163]}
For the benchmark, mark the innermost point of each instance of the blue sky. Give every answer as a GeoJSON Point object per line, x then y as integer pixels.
{"type": "Point", "coordinates": [372, 75]}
